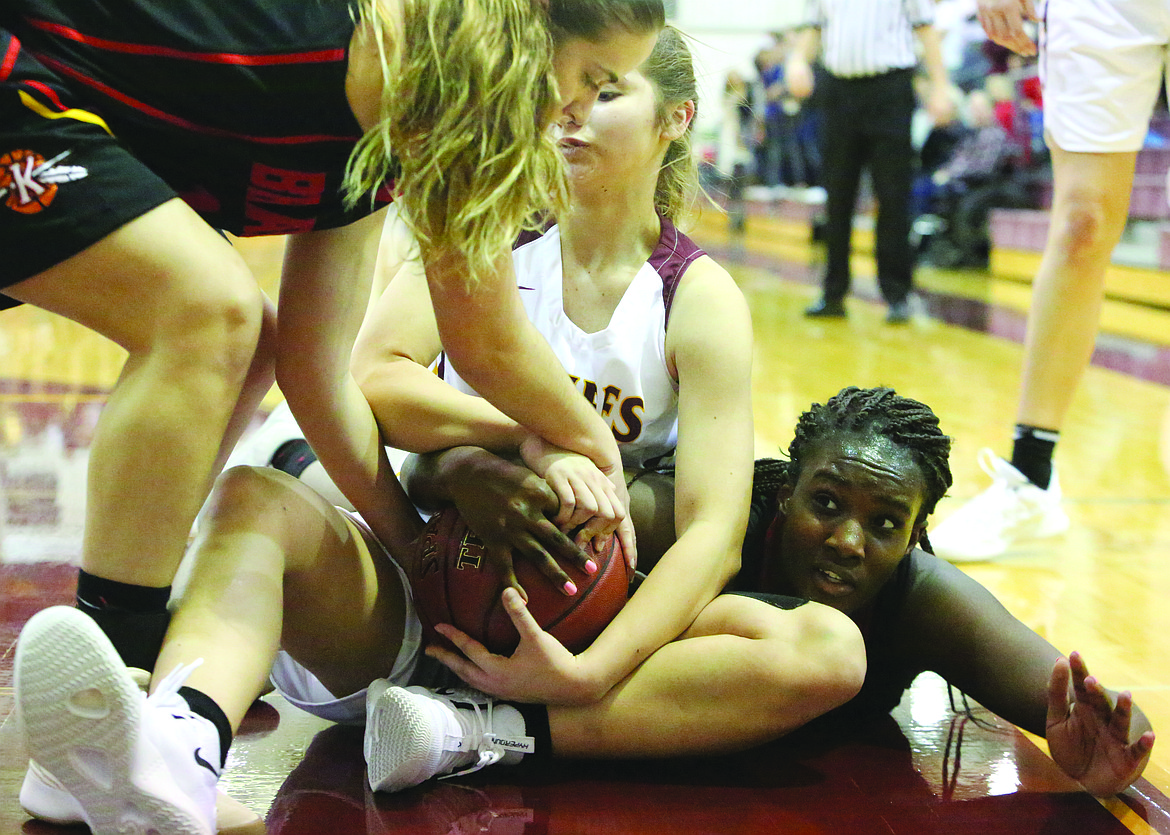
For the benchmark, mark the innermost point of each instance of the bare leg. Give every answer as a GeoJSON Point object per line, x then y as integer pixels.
{"type": "Point", "coordinates": [1089, 211]}
{"type": "Point", "coordinates": [175, 295]}
{"type": "Point", "coordinates": [744, 673]}
{"type": "Point", "coordinates": [259, 380]}
{"type": "Point", "coordinates": [275, 565]}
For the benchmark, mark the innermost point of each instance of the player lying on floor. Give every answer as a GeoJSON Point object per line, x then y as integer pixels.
{"type": "Point", "coordinates": [839, 522]}
{"type": "Point", "coordinates": [276, 567]}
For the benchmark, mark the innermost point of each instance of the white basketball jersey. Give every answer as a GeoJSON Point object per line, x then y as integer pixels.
{"type": "Point", "coordinates": [621, 369]}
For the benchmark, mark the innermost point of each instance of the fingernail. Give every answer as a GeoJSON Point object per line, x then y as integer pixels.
{"type": "Point", "coordinates": [570, 588]}
{"type": "Point", "coordinates": [590, 567]}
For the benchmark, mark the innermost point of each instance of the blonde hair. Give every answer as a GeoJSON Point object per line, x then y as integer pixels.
{"type": "Point", "coordinates": [468, 96]}
{"type": "Point", "coordinates": [671, 71]}
{"type": "Point", "coordinates": [592, 20]}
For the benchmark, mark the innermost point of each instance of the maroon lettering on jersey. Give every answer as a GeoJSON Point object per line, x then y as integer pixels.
{"type": "Point", "coordinates": [612, 395]}
{"type": "Point", "coordinates": [629, 412]}
{"type": "Point", "coordinates": [590, 392]}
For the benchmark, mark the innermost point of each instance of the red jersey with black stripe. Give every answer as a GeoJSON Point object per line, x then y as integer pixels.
{"type": "Point", "coordinates": [239, 105]}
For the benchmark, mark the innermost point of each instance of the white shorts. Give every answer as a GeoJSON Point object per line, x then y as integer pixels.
{"type": "Point", "coordinates": [1102, 64]}
{"type": "Point", "coordinates": [306, 691]}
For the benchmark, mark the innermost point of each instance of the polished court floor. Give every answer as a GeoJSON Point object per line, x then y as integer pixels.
{"type": "Point", "coordinates": [1103, 589]}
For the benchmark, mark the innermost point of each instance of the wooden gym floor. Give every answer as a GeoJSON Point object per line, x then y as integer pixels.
{"type": "Point", "coordinates": [1102, 589]}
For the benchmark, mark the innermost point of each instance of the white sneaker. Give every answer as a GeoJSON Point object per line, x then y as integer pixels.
{"type": "Point", "coordinates": [1011, 510]}
{"type": "Point", "coordinates": [43, 797]}
{"type": "Point", "coordinates": [414, 734]}
{"type": "Point", "coordinates": [102, 751]}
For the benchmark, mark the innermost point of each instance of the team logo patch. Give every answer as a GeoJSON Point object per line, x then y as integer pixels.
{"type": "Point", "coordinates": [29, 182]}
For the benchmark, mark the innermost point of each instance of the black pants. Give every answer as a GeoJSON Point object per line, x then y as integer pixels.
{"type": "Point", "coordinates": [867, 125]}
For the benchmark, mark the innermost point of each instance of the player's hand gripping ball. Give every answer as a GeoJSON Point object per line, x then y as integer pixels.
{"type": "Point", "coordinates": [453, 583]}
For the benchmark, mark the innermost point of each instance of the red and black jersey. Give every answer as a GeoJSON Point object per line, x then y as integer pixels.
{"type": "Point", "coordinates": [238, 105]}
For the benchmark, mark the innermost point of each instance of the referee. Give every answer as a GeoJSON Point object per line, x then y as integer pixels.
{"type": "Point", "coordinates": [868, 100]}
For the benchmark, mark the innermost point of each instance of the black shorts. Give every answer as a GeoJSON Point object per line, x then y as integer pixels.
{"type": "Point", "coordinates": [780, 601]}
{"type": "Point", "coordinates": [65, 181]}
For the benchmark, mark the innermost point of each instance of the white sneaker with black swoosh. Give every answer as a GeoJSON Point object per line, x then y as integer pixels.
{"type": "Point", "coordinates": [131, 762]}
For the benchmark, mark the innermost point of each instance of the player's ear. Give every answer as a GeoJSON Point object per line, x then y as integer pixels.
{"type": "Point", "coordinates": [783, 494]}
{"type": "Point", "coordinates": [678, 120]}
{"type": "Point", "coordinates": [915, 536]}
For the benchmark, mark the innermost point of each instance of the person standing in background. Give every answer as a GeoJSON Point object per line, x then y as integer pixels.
{"type": "Point", "coordinates": [1102, 66]}
{"type": "Point", "coordinates": [868, 99]}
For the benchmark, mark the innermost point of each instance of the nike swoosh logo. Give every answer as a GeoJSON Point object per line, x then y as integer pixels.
{"type": "Point", "coordinates": [200, 761]}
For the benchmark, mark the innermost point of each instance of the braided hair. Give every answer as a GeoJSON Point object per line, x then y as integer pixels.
{"type": "Point", "coordinates": [908, 423]}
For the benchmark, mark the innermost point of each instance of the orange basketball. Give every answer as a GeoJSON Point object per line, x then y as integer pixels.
{"type": "Point", "coordinates": [453, 583]}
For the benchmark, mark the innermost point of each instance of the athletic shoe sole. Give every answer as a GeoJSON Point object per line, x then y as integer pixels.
{"type": "Point", "coordinates": [83, 717]}
{"type": "Point", "coordinates": [399, 740]}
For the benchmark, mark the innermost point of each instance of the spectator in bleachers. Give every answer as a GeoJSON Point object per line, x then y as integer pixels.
{"type": "Point", "coordinates": [971, 181]}
{"type": "Point", "coordinates": [734, 158]}
{"type": "Point", "coordinates": [962, 40]}
{"type": "Point", "coordinates": [770, 69]}
{"type": "Point", "coordinates": [806, 130]}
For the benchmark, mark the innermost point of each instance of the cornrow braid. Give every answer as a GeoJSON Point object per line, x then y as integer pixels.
{"type": "Point", "coordinates": [770, 475]}
{"type": "Point", "coordinates": [908, 423]}
{"type": "Point", "coordinates": [873, 411]}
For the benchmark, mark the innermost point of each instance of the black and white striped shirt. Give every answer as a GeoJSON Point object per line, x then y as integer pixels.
{"type": "Point", "coordinates": [868, 37]}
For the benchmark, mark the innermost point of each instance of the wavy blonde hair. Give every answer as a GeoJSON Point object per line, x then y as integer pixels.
{"type": "Point", "coordinates": [468, 96]}
{"type": "Point", "coordinates": [671, 71]}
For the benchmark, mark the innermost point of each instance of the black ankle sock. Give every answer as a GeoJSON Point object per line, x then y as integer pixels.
{"type": "Point", "coordinates": [1032, 453]}
{"type": "Point", "coordinates": [205, 706]}
{"type": "Point", "coordinates": [536, 726]}
{"type": "Point", "coordinates": [100, 593]}
{"type": "Point", "coordinates": [134, 618]}
{"type": "Point", "coordinates": [293, 457]}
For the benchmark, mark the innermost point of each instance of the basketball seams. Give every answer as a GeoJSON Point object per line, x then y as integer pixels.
{"type": "Point", "coordinates": [583, 594]}
{"type": "Point", "coordinates": [472, 601]}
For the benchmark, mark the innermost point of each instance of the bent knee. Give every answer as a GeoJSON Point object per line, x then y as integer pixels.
{"type": "Point", "coordinates": [213, 319]}
{"type": "Point", "coordinates": [252, 493]}
{"type": "Point", "coordinates": [817, 654]}
{"type": "Point", "coordinates": [831, 637]}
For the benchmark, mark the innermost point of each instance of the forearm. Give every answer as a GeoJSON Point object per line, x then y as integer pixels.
{"type": "Point", "coordinates": [427, 477]}
{"type": "Point", "coordinates": [932, 59]}
{"type": "Point", "coordinates": [419, 412]}
{"type": "Point", "coordinates": [808, 43]}
{"type": "Point", "coordinates": [324, 294]}
{"type": "Point", "coordinates": [689, 575]}
{"type": "Point", "coordinates": [537, 393]}
{"type": "Point", "coordinates": [495, 348]}
{"type": "Point", "coordinates": [395, 347]}
{"type": "Point", "coordinates": [346, 440]}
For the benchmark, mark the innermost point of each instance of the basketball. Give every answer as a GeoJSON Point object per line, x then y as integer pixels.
{"type": "Point", "coordinates": [453, 583]}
